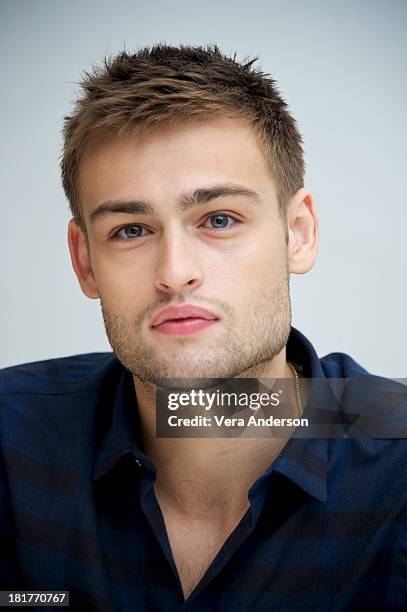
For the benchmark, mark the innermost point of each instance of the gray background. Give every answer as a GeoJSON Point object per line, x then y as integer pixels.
{"type": "Point", "coordinates": [341, 67]}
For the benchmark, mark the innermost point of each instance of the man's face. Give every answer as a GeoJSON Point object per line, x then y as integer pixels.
{"type": "Point", "coordinates": [194, 221]}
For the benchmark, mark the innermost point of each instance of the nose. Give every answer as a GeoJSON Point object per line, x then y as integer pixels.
{"type": "Point", "coordinates": [178, 271]}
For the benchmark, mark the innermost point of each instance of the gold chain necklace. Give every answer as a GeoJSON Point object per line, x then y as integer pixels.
{"type": "Point", "coordinates": [297, 386]}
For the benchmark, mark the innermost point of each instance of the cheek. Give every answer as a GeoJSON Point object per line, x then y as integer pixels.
{"type": "Point", "coordinates": [118, 273]}
{"type": "Point", "coordinates": [249, 280]}
{"type": "Point", "coordinates": [259, 256]}
{"type": "Point", "coordinates": [122, 292]}
{"type": "Point", "coordinates": [269, 254]}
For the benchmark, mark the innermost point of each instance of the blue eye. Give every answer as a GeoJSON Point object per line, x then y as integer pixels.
{"type": "Point", "coordinates": [129, 232]}
{"type": "Point", "coordinates": [220, 221]}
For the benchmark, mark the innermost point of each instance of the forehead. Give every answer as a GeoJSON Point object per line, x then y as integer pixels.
{"type": "Point", "coordinates": [162, 164]}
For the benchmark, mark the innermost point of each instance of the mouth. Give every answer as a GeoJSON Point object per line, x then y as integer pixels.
{"type": "Point", "coordinates": [182, 320]}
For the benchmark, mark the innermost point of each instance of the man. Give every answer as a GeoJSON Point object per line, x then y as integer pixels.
{"type": "Point", "coordinates": [184, 172]}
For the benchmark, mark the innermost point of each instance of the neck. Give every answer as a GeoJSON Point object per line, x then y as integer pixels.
{"type": "Point", "coordinates": [201, 475]}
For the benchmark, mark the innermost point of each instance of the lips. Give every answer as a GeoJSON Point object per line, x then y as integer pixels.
{"type": "Point", "coordinates": [182, 320]}
{"type": "Point", "coordinates": [186, 312]}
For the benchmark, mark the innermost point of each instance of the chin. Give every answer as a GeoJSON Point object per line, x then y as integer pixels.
{"type": "Point", "coordinates": [183, 373]}
{"type": "Point", "coordinates": [186, 384]}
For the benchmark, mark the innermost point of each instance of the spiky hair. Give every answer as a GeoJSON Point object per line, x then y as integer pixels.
{"type": "Point", "coordinates": [162, 84]}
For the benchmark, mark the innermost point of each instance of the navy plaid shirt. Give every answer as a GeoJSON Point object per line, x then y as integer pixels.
{"type": "Point", "coordinates": [326, 528]}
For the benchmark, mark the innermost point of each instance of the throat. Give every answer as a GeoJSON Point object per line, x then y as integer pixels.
{"type": "Point", "coordinates": [196, 536]}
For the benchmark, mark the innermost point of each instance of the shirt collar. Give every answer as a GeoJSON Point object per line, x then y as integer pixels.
{"type": "Point", "coordinates": [120, 436]}
{"type": "Point", "coordinates": [302, 460]}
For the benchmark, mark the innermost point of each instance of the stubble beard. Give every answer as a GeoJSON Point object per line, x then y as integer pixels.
{"type": "Point", "coordinates": [245, 348]}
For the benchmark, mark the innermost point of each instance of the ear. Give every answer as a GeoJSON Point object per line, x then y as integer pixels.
{"type": "Point", "coordinates": [302, 228]}
{"type": "Point", "coordinates": [79, 250]}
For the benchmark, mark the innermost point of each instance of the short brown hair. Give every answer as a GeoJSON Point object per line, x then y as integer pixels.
{"type": "Point", "coordinates": [160, 84]}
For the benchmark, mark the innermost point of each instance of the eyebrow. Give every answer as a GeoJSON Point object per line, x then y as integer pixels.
{"type": "Point", "coordinates": [199, 197]}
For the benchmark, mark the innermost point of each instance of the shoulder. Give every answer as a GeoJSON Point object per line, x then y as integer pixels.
{"type": "Point", "coordinates": [373, 453]}
{"type": "Point", "coordinates": [373, 417]}
{"type": "Point", "coordinates": [52, 412]}
{"type": "Point", "coordinates": [379, 403]}
{"type": "Point", "coordinates": [58, 376]}
{"type": "Point", "coordinates": [56, 393]}
{"type": "Point", "coordinates": [341, 365]}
